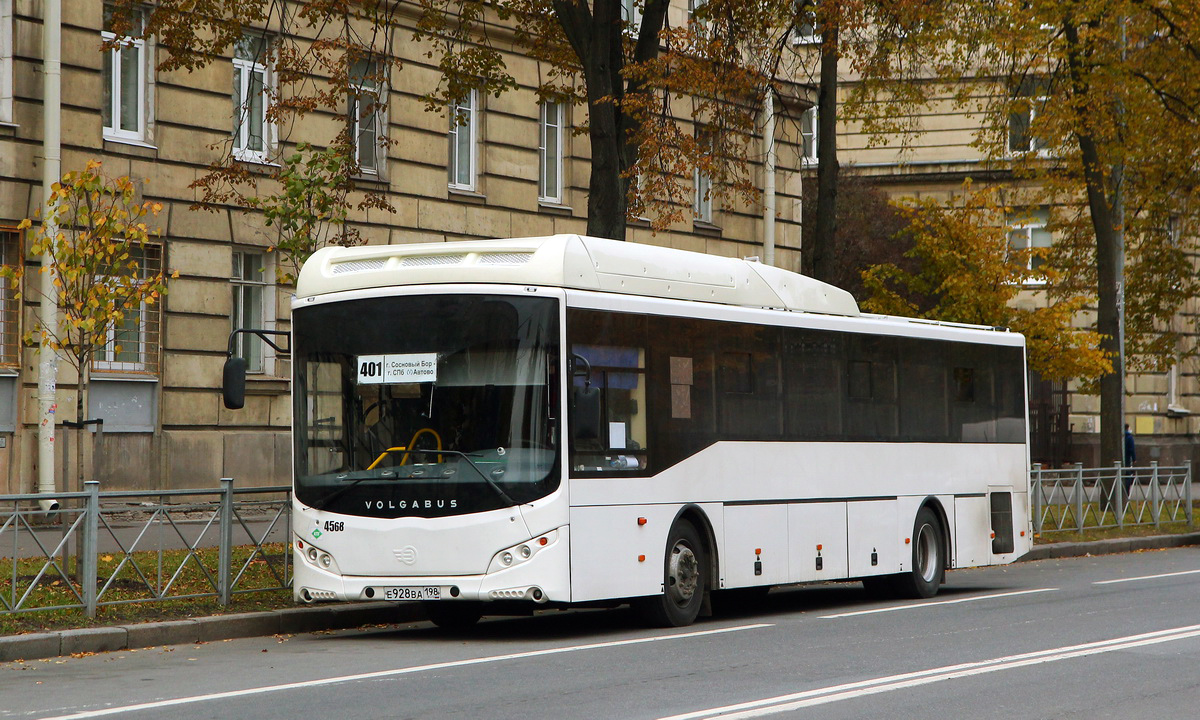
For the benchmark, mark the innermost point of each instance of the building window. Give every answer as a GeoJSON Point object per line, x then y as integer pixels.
{"type": "Point", "coordinates": [10, 306]}
{"type": "Point", "coordinates": [6, 61]}
{"type": "Point", "coordinates": [1027, 234]}
{"type": "Point", "coordinates": [550, 153]}
{"type": "Point", "coordinates": [251, 298]}
{"type": "Point", "coordinates": [631, 12]}
{"type": "Point", "coordinates": [464, 131]}
{"type": "Point", "coordinates": [365, 109]}
{"type": "Point", "coordinates": [1026, 106]}
{"type": "Point", "coordinates": [806, 23]}
{"type": "Point", "coordinates": [123, 106]}
{"type": "Point", "coordinates": [808, 134]}
{"type": "Point", "coordinates": [702, 209]}
{"type": "Point", "coordinates": [132, 345]}
{"type": "Point", "coordinates": [251, 132]}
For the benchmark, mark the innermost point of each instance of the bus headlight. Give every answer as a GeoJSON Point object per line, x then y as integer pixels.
{"type": "Point", "coordinates": [518, 554]}
{"type": "Point", "coordinates": [317, 557]}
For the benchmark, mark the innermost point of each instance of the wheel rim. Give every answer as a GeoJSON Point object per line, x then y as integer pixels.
{"type": "Point", "coordinates": [683, 574]}
{"type": "Point", "coordinates": [927, 553]}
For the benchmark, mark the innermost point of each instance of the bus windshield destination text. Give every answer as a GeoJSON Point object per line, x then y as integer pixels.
{"type": "Point", "coordinates": [395, 369]}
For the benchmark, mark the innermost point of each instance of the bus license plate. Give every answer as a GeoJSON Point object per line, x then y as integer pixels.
{"type": "Point", "coordinates": [412, 593]}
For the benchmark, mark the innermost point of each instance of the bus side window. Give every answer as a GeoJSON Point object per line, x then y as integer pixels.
{"type": "Point", "coordinates": [619, 373]}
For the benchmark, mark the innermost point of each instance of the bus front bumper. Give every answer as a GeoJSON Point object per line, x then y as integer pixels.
{"type": "Point", "coordinates": [545, 577]}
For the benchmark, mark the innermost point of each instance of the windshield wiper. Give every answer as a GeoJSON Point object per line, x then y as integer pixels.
{"type": "Point", "coordinates": [499, 490]}
{"type": "Point", "coordinates": [325, 502]}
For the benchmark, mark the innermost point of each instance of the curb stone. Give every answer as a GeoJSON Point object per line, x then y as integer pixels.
{"type": "Point", "coordinates": [35, 646]}
{"type": "Point", "coordinates": [1108, 547]}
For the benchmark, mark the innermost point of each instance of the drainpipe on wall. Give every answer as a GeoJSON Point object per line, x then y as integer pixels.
{"type": "Point", "coordinates": [769, 178]}
{"type": "Point", "coordinates": [48, 309]}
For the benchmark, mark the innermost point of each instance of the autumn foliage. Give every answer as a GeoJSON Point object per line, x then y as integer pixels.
{"type": "Point", "coordinates": [967, 272]}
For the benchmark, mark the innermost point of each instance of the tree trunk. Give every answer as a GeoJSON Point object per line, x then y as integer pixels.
{"type": "Point", "coordinates": [820, 250]}
{"type": "Point", "coordinates": [1103, 194]}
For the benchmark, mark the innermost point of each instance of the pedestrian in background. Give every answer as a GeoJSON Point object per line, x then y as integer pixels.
{"type": "Point", "coordinates": [1130, 458]}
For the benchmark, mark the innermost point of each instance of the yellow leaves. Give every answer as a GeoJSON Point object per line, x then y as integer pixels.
{"type": "Point", "coordinates": [25, 224]}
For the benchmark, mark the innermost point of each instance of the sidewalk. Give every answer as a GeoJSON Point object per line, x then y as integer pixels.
{"type": "Point", "coordinates": [314, 618]}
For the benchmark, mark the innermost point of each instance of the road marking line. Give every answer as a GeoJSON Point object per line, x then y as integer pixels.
{"type": "Point", "coordinates": [392, 673]}
{"type": "Point", "coordinates": [847, 691]}
{"type": "Point", "coordinates": [1146, 577]}
{"type": "Point", "coordinates": [911, 606]}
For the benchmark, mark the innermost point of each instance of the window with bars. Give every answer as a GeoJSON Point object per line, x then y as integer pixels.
{"type": "Point", "coordinates": [123, 107]}
{"type": "Point", "coordinates": [10, 304]}
{"type": "Point", "coordinates": [133, 341]}
{"type": "Point", "coordinates": [248, 283]}
{"type": "Point", "coordinates": [251, 130]}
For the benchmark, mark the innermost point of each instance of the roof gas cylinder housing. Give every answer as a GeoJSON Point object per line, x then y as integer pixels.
{"type": "Point", "coordinates": [573, 261]}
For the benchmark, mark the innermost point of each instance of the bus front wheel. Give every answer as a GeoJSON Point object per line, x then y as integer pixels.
{"type": "Point", "coordinates": [685, 579]}
{"type": "Point", "coordinates": [928, 558]}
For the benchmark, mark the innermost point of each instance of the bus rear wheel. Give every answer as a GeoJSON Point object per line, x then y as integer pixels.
{"type": "Point", "coordinates": [454, 614]}
{"type": "Point", "coordinates": [685, 579]}
{"type": "Point", "coordinates": [928, 559]}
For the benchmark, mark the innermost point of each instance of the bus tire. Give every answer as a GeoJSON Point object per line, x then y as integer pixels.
{"type": "Point", "coordinates": [685, 580]}
{"type": "Point", "coordinates": [454, 614]}
{"type": "Point", "coordinates": [928, 558]}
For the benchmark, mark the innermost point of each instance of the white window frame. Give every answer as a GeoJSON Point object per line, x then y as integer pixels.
{"type": "Point", "coordinates": [702, 185]}
{"type": "Point", "coordinates": [702, 210]}
{"type": "Point", "coordinates": [464, 118]}
{"type": "Point", "coordinates": [551, 128]}
{"type": "Point", "coordinates": [809, 135]}
{"type": "Point", "coordinates": [631, 13]}
{"type": "Point", "coordinates": [1024, 228]}
{"type": "Point", "coordinates": [812, 36]}
{"type": "Point", "coordinates": [116, 56]}
{"type": "Point", "coordinates": [1036, 144]}
{"type": "Point", "coordinates": [362, 85]}
{"type": "Point", "coordinates": [266, 316]}
{"type": "Point", "coordinates": [7, 31]}
{"type": "Point", "coordinates": [244, 68]}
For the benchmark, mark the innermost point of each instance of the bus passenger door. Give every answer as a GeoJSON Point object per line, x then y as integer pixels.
{"type": "Point", "coordinates": [817, 541]}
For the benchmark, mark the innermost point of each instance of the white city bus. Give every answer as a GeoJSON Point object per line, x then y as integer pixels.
{"type": "Point", "coordinates": [569, 420]}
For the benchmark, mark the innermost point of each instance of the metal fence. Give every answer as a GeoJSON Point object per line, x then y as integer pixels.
{"type": "Point", "coordinates": [1078, 498]}
{"type": "Point", "coordinates": [110, 548]}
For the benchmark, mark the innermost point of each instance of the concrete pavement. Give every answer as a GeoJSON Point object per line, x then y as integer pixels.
{"type": "Point", "coordinates": [314, 618]}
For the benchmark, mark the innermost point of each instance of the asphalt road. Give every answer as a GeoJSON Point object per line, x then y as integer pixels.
{"type": "Point", "coordinates": [1115, 636]}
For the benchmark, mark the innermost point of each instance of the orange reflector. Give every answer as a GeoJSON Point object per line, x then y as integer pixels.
{"type": "Point", "coordinates": [993, 536]}
{"type": "Point", "coordinates": [300, 544]}
{"type": "Point", "coordinates": [907, 541]}
{"type": "Point", "coordinates": [758, 551]}
{"type": "Point", "coordinates": [641, 521]}
{"type": "Point", "coordinates": [818, 548]}
{"type": "Point", "coordinates": [641, 558]}
{"type": "Point", "coordinates": [543, 541]}
{"type": "Point", "coordinates": [1022, 533]}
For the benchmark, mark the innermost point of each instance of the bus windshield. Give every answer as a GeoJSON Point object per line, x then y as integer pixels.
{"type": "Point", "coordinates": [426, 406]}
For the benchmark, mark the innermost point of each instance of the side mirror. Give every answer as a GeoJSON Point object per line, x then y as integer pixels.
{"type": "Point", "coordinates": [233, 383]}
{"type": "Point", "coordinates": [585, 413]}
